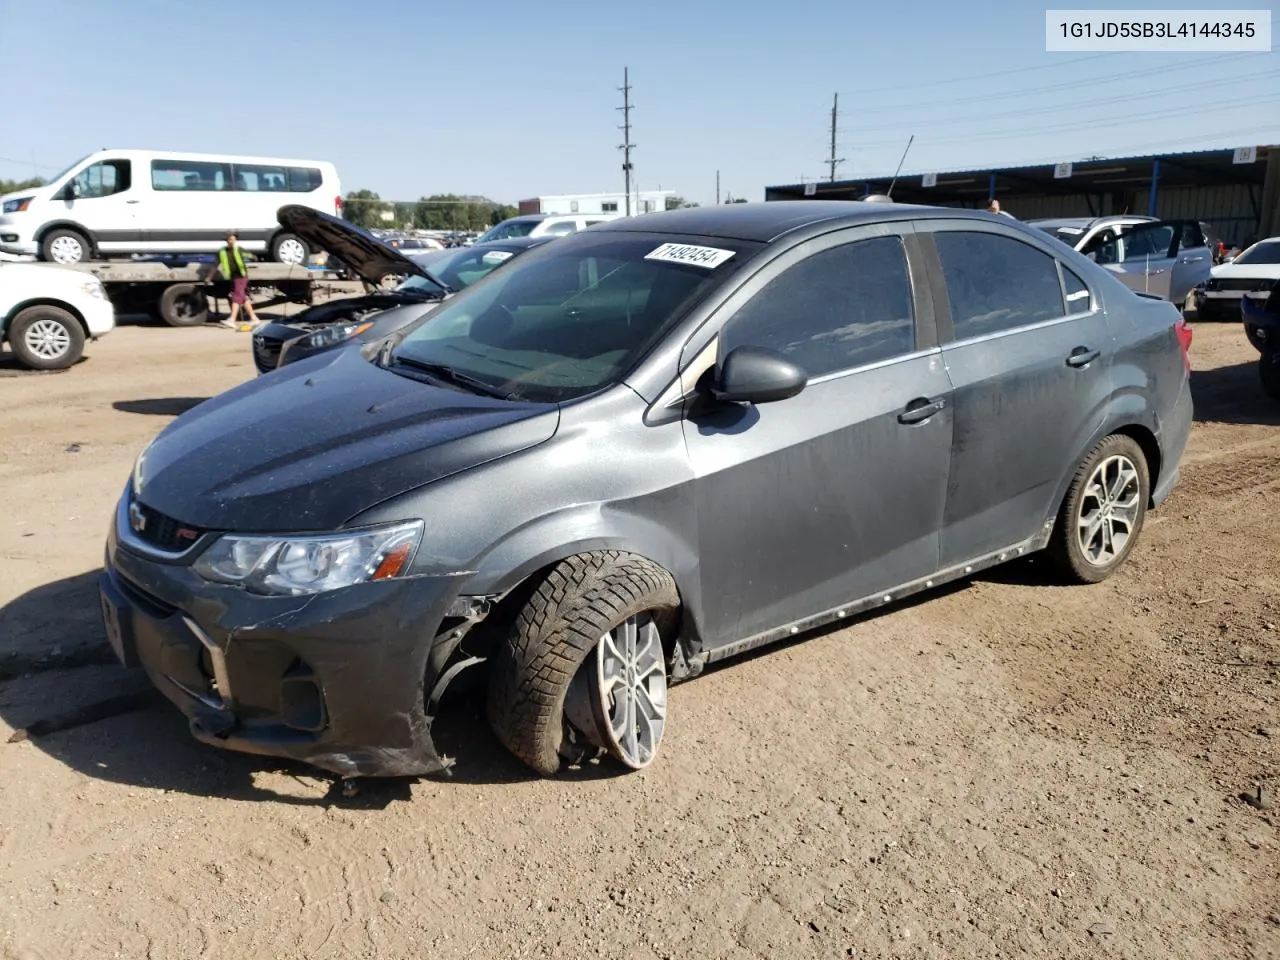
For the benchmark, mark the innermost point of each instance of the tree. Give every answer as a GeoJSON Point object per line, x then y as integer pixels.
{"type": "Point", "coordinates": [10, 186]}
{"type": "Point", "coordinates": [679, 203]}
{"type": "Point", "coordinates": [363, 208]}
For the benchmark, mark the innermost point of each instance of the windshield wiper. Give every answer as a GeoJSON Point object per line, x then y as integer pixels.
{"type": "Point", "coordinates": [447, 373]}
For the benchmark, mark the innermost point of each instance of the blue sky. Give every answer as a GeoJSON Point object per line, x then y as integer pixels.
{"type": "Point", "coordinates": [513, 99]}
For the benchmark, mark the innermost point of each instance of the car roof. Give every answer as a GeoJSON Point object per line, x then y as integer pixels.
{"type": "Point", "coordinates": [764, 222]}
{"type": "Point", "coordinates": [1087, 221]}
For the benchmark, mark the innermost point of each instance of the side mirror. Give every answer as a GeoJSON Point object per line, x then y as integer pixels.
{"type": "Point", "coordinates": [69, 192]}
{"type": "Point", "coordinates": [757, 375]}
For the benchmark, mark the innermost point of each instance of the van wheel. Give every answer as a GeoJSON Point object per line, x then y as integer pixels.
{"type": "Point", "coordinates": [46, 338]}
{"type": "Point", "coordinates": [289, 248]}
{"type": "Point", "coordinates": [584, 662]}
{"type": "Point", "coordinates": [184, 305]}
{"type": "Point", "coordinates": [1102, 514]}
{"type": "Point", "coordinates": [65, 246]}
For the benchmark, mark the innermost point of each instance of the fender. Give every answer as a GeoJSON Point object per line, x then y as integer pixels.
{"type": "Point", "coordinates": [66, 224]}
{"type": "Point", "coordinates": [584, 528]}
{"type": "Point", "coordinates": [42, 302]}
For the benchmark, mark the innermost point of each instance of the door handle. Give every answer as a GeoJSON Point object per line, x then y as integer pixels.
{"type": "Point", "coordinates": [921, 409]}
{"type": "Point", "coordinates": [1192, 259]}
{"type": "Point", "coordinates": [131, 201]}
{"type": "Point", "coordinates": [1082, 357]}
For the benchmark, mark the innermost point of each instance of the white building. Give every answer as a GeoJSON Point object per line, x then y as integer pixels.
{"type": "Point", "coordinates": [642, 201]}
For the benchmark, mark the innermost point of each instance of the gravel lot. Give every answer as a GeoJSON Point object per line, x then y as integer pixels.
{"type": "Point", "coordinates": [1002, 769]}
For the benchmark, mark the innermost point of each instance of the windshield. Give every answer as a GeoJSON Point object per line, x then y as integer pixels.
{"type": "Point", "coordinates": [417, 284]}
{"type": "Point", "coordinates": [1067, 234]}
{"type": "Point", "coordinates": [570, 317]}
{"type": "Point", "coordinates": [1266, 252]}
{"type": "Point", "coordinates": [508, 229]}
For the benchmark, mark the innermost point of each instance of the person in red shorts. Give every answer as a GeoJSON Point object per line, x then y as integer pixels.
{"type": "Point", "coordinates": [231, 265]}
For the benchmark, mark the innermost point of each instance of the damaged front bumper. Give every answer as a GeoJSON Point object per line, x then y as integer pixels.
{"type": "Point", "coordinates": [335, 680]}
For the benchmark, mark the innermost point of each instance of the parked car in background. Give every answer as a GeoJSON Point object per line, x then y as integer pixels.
{"type": "Point", "coordinates": [631, 453]}
{"type": "Point", "coordinates": [455, 270]}
{"type": "Point", "coordinates": [413, 245]}
{"type": "Point", "coordinates": [543, 224]}
{"type": "Point", "coordinates": [1168, 258]}
{"type": "Point", "coordinates": [362, 254]}
{"type": "Point", "coordinates": [1262, 327]}
{"type": "Point", "coordinates": [121, 202]}
{"type": "Point", "coordinates": [1253, 275]}
{"type": "Point", "coordinates": [48, 312]}
{"type": "Point", "coordinates": [1079, 232]}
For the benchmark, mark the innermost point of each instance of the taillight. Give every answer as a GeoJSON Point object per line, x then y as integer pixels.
{"type": "Point", "coordinates": [1183, 330]}
{"type": "Point", "coordinates": [337, 206]}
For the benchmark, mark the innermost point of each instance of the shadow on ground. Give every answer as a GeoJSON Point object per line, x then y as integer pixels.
{"type": "Point", "coordinates": [159, 406]}
{"type": "Point", "coordinates": [1232, 394]}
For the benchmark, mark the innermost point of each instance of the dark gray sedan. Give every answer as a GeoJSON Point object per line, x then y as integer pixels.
{"type": "Point", "coordinates": [630, 453]}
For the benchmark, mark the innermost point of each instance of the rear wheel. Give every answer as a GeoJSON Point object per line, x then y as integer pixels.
{"type": "Point", "coordinates": [584, 666]}
{"type": "Point", "coordinates": [1102, 514]}
{"type": "Point", "coordinates": [289, 248]}
{"type": "Point", "coordinates": [65, 246]}
{"type": "Point", "coordinates": [46, 338]}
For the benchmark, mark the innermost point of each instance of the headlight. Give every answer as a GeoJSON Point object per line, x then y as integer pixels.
{"type": "Point", "coordinates": [18, 205]}
{"type": "Point", "coordinates": [293, 566]}
{"type": "Point", "coordinates": [94, 288]}
{"type": "Point", "coordinates": [137, 478]}
{"type": "Point", "coordinates": [336, 334]}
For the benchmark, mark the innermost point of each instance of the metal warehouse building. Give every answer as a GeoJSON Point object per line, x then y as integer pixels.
{"type": "Point", "coordinates": [1235, 190]}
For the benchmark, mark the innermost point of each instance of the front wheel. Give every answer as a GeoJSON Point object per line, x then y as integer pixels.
{"type": "Point", "coordinates": [65, 246]}
{"type": "Point", "coordinates": [1102, 514]}
{"type": "Point", "coordinates": [584, 664]}
{"type": "Point", "coordinates": [46, 338]}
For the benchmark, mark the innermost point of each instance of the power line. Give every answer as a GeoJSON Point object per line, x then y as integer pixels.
{"type": "Point", "coordinates": [1023, 132]}
{"type": "Point", "coordinates": [627, 145]}
{"type": "Point", "coordinates": [1057, 65]}
{"type": "Point", "coordinates": [1127, 98]}
{"type": "Point", "coordinates": [1048, 88]}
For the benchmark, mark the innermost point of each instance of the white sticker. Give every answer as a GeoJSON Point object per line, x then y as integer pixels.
{"type": "Point", "coordinates": [1074, 231]}
{"type": "Point", "coordinates": [708, 257]}
{"type": "Point", "coordinates": [497, 256]}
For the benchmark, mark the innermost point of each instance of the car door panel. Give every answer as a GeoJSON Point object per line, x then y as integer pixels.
{"type": "Point", "coordinates": [1029, 385]}
{"type": "Point", "coordinates": [827, 497]}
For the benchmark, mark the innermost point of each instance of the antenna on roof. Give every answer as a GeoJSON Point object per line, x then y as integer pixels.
{"type": "Point", "coordinates": [899, 170]}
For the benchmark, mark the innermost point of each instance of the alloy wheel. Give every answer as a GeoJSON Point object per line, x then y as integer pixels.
{"type": "Point", "coordinates": [1109, 510]}
{"type": "Point", "coordinates": [47, 339]}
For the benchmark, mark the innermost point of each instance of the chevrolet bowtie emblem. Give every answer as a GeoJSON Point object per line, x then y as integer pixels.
{"type": "Point", "coordinates": [137, 519]}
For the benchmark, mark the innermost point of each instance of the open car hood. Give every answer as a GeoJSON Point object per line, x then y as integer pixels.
{"type": "Point", "coordinates": [359, 250]}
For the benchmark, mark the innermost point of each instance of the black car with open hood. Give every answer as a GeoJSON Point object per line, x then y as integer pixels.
{"type": "Point", "coordinates": [363, 254]}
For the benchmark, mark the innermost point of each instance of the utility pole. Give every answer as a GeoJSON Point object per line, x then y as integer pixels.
{"type": "Point", "coordinates": [717, 188]}
{"type": "Point", "coordinates": [626, 134]}
{"type": "Point", "coordinates": [833, 161]}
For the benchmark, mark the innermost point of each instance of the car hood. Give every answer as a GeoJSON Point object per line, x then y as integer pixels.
{"type": "Point", "coordinates": [359, 250]}
{"type": "Point", "coordinates": [318, 442]}
{"type": "Point", "coordinates": [1246, 271]}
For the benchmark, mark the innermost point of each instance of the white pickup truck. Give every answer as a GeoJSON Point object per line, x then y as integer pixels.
{"type": "Point", "coordinates": [47, 312]}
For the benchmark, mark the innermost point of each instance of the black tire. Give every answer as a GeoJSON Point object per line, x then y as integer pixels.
{"type": "Point", "coordinates": [1065, 550]}
{"type": "Point", "coordinates": [184, 305]}
{"type": "Point", "coordinates": [70, 239]}
{"type": "Point", "coordinates": [577, 603]}
{"type": "Point", "coordinates": [1269, 374]}
{"type": "Point", "coordinates": [280, 240]}
{"type": "Point", "coordinates": [34, 333]}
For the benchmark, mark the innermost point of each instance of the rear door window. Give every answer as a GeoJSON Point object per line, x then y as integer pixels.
{"type": "Point", "coordinates": [996, 283]}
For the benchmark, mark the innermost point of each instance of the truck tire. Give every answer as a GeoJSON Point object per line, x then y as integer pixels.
{"type": "Point", "coordinates": [289, 248]}
{"type": "Point", "coordinates": [1103, 512]}
{"type": "Point", "coordinates": [184, 305]}
{"type": "Point", "coordinates": [65, 245]}
{"type": "Point", "coordinates": [578, 603]}
{"type": "Point", "coordinates": [46, 338]}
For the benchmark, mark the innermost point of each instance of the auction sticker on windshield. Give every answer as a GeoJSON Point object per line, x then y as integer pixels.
{"type": "Point", "coordinates": [709, 257]}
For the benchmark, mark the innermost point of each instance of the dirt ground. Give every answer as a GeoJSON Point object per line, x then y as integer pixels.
{"type": "Point", "coordinates": [1003, 769]}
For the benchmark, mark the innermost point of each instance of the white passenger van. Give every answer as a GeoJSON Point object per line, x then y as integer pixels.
{"type": "Point", "coordinates": [121, 202]}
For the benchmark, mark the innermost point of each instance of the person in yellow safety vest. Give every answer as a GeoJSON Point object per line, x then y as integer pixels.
{"type": "Point", "coordinates": [231, 265]}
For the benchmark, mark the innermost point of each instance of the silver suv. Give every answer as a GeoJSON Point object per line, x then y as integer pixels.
{"type": "Point", "coordinates": [1078, 232]}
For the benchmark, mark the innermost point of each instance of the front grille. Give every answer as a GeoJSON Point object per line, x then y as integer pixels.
{"type": "Point", "coordinates": [1247, 285]}
{"type": "Point", "coordinates": [161, 531]}
{"type": "Point", "coordinates": [266, 352]}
